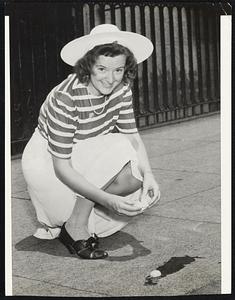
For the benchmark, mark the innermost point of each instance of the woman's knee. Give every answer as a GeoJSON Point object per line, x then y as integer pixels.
{"type": "Point", "coordinates": [125, 179]}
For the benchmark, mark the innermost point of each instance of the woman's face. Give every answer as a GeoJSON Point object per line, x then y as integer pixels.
{"type": "Point", "coordinates": [107, 73]}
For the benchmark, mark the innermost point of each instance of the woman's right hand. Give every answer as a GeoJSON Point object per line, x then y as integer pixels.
{"type": "Point", "coordinates": [76, 182]}
{"type": "Point", "coordinates": [122, 206]}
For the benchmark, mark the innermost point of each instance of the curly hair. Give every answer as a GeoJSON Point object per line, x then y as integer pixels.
{"type": "Point", "coordinates": [83, 66]}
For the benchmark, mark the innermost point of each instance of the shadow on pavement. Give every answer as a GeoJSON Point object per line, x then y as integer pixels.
{"type": "Point", "coordinates": [120, 240]}
{"type": "Point", "coordinates": [111, 243]}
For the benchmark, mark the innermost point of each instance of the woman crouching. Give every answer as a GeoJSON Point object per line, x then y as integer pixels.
{"type": "Point", "coordinates": [86, 166]}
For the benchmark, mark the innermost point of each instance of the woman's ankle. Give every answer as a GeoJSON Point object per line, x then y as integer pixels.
{"type": "Point", "coordinates": [78, 231]}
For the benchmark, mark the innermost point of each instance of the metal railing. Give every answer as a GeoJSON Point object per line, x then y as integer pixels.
{"type": "Point", "coordinates": [180, 80]}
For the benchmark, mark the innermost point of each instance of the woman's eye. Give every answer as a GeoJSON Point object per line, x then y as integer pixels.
{"type": "Point", "coordinates": [119, 70]}
{"type": "Point", "coordinates": [101, 69]}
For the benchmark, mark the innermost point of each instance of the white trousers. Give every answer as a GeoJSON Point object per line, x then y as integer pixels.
{"type": "Point", "coordinates": [98, 159]}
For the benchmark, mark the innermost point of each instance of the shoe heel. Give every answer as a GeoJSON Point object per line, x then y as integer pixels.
{"type": "Point", "coordinates": [68, 246]}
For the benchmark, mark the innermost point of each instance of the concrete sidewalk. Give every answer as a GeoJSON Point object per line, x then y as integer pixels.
{"type": "Point", "coordinates": [181, 235]}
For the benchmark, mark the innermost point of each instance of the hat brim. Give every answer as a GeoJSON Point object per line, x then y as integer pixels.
{"type": "Point", "coordinates": [140, 46]}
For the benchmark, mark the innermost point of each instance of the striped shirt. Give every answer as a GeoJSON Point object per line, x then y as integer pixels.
{"type": "Point", "coordinates": [70, 114]}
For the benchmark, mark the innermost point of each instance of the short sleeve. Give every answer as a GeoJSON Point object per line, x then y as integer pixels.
{"type": "Point", "coordinates": [61, 124]}
{"type": "Point", "coordinates": [126, 122]}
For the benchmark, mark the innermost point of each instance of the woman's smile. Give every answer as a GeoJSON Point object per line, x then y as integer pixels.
{"type": "Point", "coordinates": [107, 73]}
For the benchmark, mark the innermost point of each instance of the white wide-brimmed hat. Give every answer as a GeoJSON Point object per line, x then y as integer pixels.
{"type": "Point", "coordinates": [140, 46]}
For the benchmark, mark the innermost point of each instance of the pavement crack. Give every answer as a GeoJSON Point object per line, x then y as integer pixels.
{"type": "Point", "coordinates": [186, 171]}
{"type": "Point", "coordinates": [189, 195]}
{"type": "Point", "coordinates": [18, 191]}
{"type": "Point", "coordinates": [197, 291]}
{"type": "Point", "coordinates": [60, 285]}
{"type": "Point", "coordinates": [20, 198]}
{"type": "Point", "coordinates": [181, 219]}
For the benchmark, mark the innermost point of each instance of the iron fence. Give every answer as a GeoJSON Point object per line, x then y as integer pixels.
{"type": "Point", "coordinates": [180, 80]}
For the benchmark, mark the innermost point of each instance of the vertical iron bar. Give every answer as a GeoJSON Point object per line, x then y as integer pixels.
{"type": "Point", "coordinates": [207, 54]}
{"type": "Point", "coordinates": [123, 17]}
{"type": "Point", "coordinates": [181, 49]}
{"type": "Point", "coordinates": [174, 94]}
{"type": "Point", "coordinates": [113, 18]}
{"type": "Point", "coordinates": [218, 45]}
{"type": "Point", "coordinates": [149, 63]}
{"type": "Point", "coordinates": [73, 15]}
{"type": "Point", "coordinates": [216, 39]}
{"type": "Point", "coordinates": [164, 77]}
{"type": "Point", "coordinates": [135, 83]}
{"type": "Point", "coordinates": [154, 57]}
{"type": "Point", "coordinates": [145, 68]}
{"type": "Point", "coordinates": [86, 18]}
{"type": "Point", "coordinates": [79, 19]}
{"type": "Point", "coordinates": [199, 60]}
{"type": "Point", "coordinates": [203, 57]}
{"type": "Point", "coordinates": [101, 13]}
{"type": "Point", "coordinates": [33, 103]}
{"type": "Point", "coordinates": [190, 56]}
{"type": "Point", "coordinates": [92, 15]}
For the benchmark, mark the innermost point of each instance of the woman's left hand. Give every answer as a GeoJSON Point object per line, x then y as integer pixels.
{"type": "Point", "coordinates": [150, 187]}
